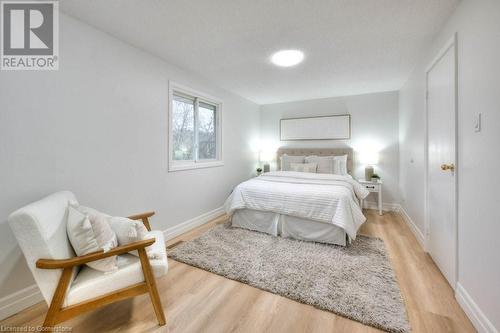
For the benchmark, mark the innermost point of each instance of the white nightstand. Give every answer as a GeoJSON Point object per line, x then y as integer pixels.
{"type": "Point", "coordinates": [373, 187]}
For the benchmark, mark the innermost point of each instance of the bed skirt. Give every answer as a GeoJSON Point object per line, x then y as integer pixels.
{"type": "Point", "coordinates": [289, 226]}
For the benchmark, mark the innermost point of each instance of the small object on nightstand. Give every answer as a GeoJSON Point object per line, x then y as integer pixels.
{"type": "Point", "coordinates": [369, 158]}
{"type": "Point", "coordinates": [259, 171]}
{"type": "Point", "coordinates": [375, 187]}
{"type": "Point", "coordinates": [368, 172]}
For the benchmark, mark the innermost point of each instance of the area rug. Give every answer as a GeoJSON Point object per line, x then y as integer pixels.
{"type": "Point", "coordinates": [356, 282]}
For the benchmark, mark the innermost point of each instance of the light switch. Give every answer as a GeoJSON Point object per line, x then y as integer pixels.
{"type": "Point", "coordinates": [477, 122]}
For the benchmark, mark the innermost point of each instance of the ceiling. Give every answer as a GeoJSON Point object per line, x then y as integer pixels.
{"type": "Point", "coordinates": [351, 46]}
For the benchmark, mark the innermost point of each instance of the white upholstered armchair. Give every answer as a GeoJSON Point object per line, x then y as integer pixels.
{"type": "Point", "coordinates": [70, 287]}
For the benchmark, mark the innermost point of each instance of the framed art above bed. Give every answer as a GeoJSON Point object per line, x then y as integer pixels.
{"type": "Point", "coordinates": [335, 127]}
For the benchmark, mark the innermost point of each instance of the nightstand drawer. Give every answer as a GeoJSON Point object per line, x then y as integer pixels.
{"type": "Point", "coordinates": [372, 187]}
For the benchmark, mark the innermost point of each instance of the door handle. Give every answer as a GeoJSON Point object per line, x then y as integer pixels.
{"type": "Point", "coordinates": [450, 167]}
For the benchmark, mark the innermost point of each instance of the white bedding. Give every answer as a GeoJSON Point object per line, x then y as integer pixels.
{"type": "Point", "coordinates": [319, 197]}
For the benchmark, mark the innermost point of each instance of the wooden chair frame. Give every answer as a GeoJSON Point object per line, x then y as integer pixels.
{"type": "Point", "coordinates": [57, 314]}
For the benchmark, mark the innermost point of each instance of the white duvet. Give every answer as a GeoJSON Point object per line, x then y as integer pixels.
{"type": "Point", "coordinates": [319, 197]}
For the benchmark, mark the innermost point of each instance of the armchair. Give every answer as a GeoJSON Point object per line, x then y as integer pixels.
{"type": "Point", "coordinates": [68, 286]}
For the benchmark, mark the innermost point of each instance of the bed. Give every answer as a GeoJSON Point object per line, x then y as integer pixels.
{"type": "Point", "coordinates": [321, 207]}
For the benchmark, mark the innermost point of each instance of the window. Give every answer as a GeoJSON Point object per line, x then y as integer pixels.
{"type": "Point", "coordinates": [195, 135]}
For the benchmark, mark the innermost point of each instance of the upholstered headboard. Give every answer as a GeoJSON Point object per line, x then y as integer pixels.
{"type": "Point", "coordinates": [317, 152]}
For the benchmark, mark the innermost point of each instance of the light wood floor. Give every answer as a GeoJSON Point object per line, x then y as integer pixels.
{"type": "Point", "coordinates": [199, 301]}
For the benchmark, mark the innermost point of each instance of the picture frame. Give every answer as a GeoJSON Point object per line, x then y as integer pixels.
{"type": "Point", "coordinates": [333, 127]}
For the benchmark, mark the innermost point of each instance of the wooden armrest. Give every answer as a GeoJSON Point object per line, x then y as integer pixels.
{"type": "Point", "coordinates": [80, 260]}
{"type": "Point", "coordinates": [141, 216]}
{"type": "Point", "coordinates": [144, 218]}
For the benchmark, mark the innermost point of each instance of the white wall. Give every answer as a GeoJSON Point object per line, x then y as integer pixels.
{"type": "Point", "coordinates": [374, 124]}
{"type": "Point", "coordinates": [411, 148]}
{"type": "Point", "coordinates": [478, 25]}
{"type": "Point", "coordinates": [98, 127]}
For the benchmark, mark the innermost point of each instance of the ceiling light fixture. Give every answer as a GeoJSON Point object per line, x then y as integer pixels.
{"type": "Point", "coordinates": [287, 58]}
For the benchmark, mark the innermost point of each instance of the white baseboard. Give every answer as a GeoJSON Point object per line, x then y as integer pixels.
{"type": "Point", "coordinates": [413, 227]}
{"type": "Point", "coordinates": [387, 206]}
{"type": "Point", "coordinates": [185, 226]}
{"type": "Point", "coordinates": [20, 300]}
{"type": "Point", "coordinates": [476, 316]}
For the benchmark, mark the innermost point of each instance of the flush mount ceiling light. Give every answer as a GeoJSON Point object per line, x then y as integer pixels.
{"type": "Point", "coordinates": [287, 58]}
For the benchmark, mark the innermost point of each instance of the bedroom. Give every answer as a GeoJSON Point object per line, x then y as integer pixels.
{"type": "Point", "coordinates": [99, 124]}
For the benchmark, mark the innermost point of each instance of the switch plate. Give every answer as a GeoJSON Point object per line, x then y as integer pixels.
{"type": "Point", "coordinates": [477, 122]}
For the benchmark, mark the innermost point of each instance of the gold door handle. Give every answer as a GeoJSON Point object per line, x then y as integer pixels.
{"type": "Point", "coordinates": [450, 167]}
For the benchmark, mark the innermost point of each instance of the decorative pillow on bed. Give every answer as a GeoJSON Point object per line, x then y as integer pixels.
{"type": "Point", "coordinates": [325, 163]}
{"type": "Point", "coordinates": [304, 167]}
{"type": "Point", "coordinates": [340, 165]}
{"type": "Point", "coordinates": [286, 160]}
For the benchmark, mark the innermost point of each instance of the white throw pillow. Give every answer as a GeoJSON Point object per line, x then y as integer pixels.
{"type": "Point", "coordinates": [287, 160]}
{"type": "Point", "coordinates": [106, 237]}
{"type": "Point", "coordinates": [325, 163]}
{"type": "Point", "coordinates": [91, 212]}
{"type": "Point", "coordinates": [304, 167]}
{"type": "Point", "coordinates": [340, 165]}
{"type": "Point", "coordinates": [129, 231]}
{"type": "Point", "coordinates": [87, 236]}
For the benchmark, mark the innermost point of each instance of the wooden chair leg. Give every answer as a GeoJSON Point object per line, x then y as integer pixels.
{"type": "Point", "coordinates": [151, 283]}
{"type": "Point", "coordinates": [57, 299]}
{"type": "Point", "coordinates": [145, 221]}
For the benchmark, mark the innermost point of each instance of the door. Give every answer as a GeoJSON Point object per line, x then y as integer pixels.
{"type": "Point", "coordinates": [441, 163]}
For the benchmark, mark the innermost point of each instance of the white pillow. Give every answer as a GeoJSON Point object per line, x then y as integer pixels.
{"type": "Point", "coordinates": [91, 212]}
{"type": "Point", "coordinates": [129, 231]}
{"type": "Point", "coordinates": [325, 163]}
{"type": "Point", "coordinates": [286, 161]}
{"type": "Point", "coordinates": [304, 167]}
{"type": "Point", "coordinates": [106, 237]}
{"type": "Point", "coordinates": [88, 235]}
{"type": "Point", "coordinates": [340, 165]}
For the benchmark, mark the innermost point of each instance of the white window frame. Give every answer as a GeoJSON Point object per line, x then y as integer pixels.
{"type": "Point", "coordinates": [175, 165]}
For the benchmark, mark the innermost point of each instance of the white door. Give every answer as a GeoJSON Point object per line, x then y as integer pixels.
{"type": "Point", "coordinates": [441, 163]}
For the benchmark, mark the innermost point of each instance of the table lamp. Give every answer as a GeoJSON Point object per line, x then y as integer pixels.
{"type": "Point", "coordinates": [266, 156]}
{"type": "Point", "coordinates": [369, 159]}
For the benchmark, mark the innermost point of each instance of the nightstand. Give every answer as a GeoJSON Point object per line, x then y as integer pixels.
{"type": "Point", "coordinates": [373, 187]}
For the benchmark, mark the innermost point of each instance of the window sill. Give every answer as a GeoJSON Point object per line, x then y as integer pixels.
{"type": "Point", "coordinates": [180, 167]}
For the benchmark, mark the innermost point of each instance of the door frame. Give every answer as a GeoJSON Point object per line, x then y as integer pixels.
{"type": "Point", "coordinates": [452, 42]}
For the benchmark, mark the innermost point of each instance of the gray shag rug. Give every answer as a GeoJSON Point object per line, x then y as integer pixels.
{"type": "Point", "coordinates": [356, 282]}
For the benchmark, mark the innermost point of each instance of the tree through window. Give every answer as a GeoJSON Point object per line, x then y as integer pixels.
{"type": "Point", "coordinates": [195, 130]}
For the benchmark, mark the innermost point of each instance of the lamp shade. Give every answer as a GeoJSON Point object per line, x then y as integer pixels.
{"type": "Point", "coordinates": [266, 156]}
{"type": "Point", "coordinates": [369, 157]}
